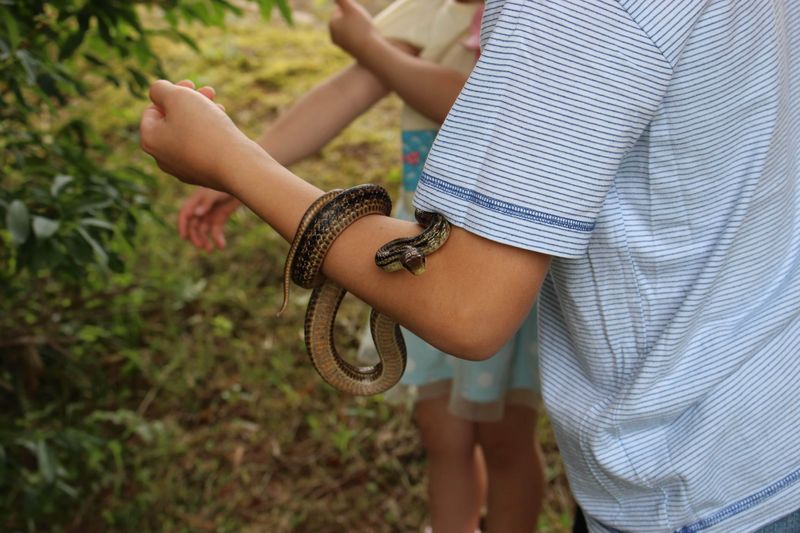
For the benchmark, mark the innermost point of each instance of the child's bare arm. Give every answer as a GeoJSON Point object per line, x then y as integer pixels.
{"type": "Point", "coordinates": [307, 126]}
{"type": "Point", "coordinates": [321, 114]}
{"type": "Point", "coordinates": [475, 293]}
{"type": "Point", "coordinates": [429, 88]}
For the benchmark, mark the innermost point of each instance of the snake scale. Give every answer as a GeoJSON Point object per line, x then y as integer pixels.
{"type": "Point", "coordinates": [322, 223]}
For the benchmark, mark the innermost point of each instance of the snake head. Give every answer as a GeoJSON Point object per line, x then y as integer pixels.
{"type": "Point", "coordinates": [413, 261]}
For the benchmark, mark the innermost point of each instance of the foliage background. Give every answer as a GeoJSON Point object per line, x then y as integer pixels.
{"type": "Point", "coordinates": [143, 384]}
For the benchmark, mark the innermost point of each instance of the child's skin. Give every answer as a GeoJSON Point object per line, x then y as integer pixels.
{"type": "Point", "coordinates": [455, 475]}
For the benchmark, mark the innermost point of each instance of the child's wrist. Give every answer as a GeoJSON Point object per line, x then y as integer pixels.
{"type": "Point", "coordinates": [364, 44]}
{"type": "Point", "coordinates": [242, 159]}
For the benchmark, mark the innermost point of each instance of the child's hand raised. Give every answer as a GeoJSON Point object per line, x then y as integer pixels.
{"type": "Point", "coordinates": [189, 135]}
{"type": "Point", "coordinates": [350, 27]}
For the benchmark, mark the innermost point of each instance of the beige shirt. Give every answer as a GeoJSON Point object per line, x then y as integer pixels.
{"type": "Point", "coordinates": [438, 28]}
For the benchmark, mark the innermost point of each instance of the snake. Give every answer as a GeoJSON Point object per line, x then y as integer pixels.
{"type": "Point", "coordinates": [322, 223]}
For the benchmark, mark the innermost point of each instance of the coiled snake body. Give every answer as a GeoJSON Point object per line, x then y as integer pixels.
{"type": "Point", "coordinates": [322, 223]}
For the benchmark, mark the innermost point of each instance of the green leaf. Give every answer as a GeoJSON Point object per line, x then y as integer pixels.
{"type": "Point", "coordinates": [188, 40]}
{"type": "Point", "coordinates": [171, 18]}
{"type": "Point", "coordinates": [91, 333]}
{"type": "Point", "coordinates": [29, 63]}
{"type": "Point", "coordinates": [113, 79]}
{"type": "Point", "coordinates": [115, 263]}
{"type": "Point", "coordinates": [70, 45]}
{"type": "Point", "coordinates": [116, 453]}
{"type": "Point", "coordinates": [94, 60]}
{"type": "Point", "coordinates": [47, 84]}
{"type": "Point", "coordinates": [265, 6]}
{"type": "Point", "coordinates": [59, 182]}
{"type": "Point", "coordinates": [129, 15]}
{"type": "Point", "coordinates": [11, 27]}
{"type": "Point", "coordinates": [46, 462]}
{"type": "Point", "coordinates": [140, 79]}
{"type": "Point", "coordinates": [44, 228]}
{"type": "Point", "coordinates": [69, 490]}
{"type": "Point", "coordinates": [18, 222]}
{"type": "Point", "coordinates": [97, 223]}
{"type": "Point", "coordinates": [99, 253]}
{"type": "Point", "coordinates": [104, 29]}
{"type": "Point", "coordinates": [286, 11]}
{"type": "Point", "coordinates": [78, 249]}
{"type": "Point", "coordinates": [15, 88]}
{"type": "Point", "coordinates": [84, 16]}
{"type": "Point", "coordinates": [230, 7]}
{"type": "Point", "coordinates": [93, 206]}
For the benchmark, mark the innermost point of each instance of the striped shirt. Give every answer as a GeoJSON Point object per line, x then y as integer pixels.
{"type": "Point", "coordinates": [651, 147]}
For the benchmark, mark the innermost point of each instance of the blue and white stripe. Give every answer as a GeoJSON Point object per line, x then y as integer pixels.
{"type": "Point", "coordinates": [651, 147]}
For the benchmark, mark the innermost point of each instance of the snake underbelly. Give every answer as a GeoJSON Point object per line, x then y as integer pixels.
{"type": "Point", "coordinates": [359, 380]}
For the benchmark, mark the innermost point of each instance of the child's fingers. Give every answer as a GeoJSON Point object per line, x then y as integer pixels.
{"type": "Point", "coordinates": [201, 235]}
{"type": "Point", "coordinates": [154, 111]}
{"type": "Point", "coordinates": [207, 91]}
{"type": "Point", "coordinates": [188, 210]}
{"type": "Point", "coordinates": [163, 91]}
{"type": "Point", "coordinates": [195, 235]}
{"type": "Point", "coordinates": [183, 221]}
{"type": "Point", "coordinates": [160, 91]}
{"type": "Point", "coordinates": [218, 235]}
{"type": "Point", "coordinates": [147, 128]}
{"type": "Point", "coordinates": [204, 231]}
{"type": "Point", "coordinates": [152, 117]}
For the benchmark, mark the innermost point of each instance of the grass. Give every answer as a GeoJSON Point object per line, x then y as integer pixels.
{"type": "Point", "coordinates": [248, 437]}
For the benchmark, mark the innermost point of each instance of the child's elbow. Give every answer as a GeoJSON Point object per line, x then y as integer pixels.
{"type": "Point", "coordinates": [475, 338]}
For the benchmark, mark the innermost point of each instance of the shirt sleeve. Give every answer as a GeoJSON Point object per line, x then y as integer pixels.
{"type": "Point", "coordinates": [409, 21]}
{"type": "Point", "coordinates": [531, 148]}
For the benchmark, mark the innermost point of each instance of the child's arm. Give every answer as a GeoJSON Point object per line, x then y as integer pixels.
{"type": "Point", "coordinates": [429, 88]}
{"type": "Point", "coordinates": [321, 114]}
{"type": "Point", "coordinates": [471, 300]}
{"type": "Point", "coordinates": [307, 126]}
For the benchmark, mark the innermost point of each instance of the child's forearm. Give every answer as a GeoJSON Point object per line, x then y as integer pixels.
{"type": "Point", "coordinates": [321, 114]}
{"type": "Point", "coordinates": [472, 298]}
{"type": "Point", "coordinates": [429, 88]}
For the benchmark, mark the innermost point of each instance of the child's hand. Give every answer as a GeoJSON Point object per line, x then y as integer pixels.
{"type": "Point", "coordinates": [204, 215]}
{"type": "Point", "coordinates": [190, 136]}
{"type": "Point", "coordinates": [350, 27]}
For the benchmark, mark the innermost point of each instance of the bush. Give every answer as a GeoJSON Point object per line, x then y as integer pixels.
{"type": "Point", "coordinates": [67, 216]}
